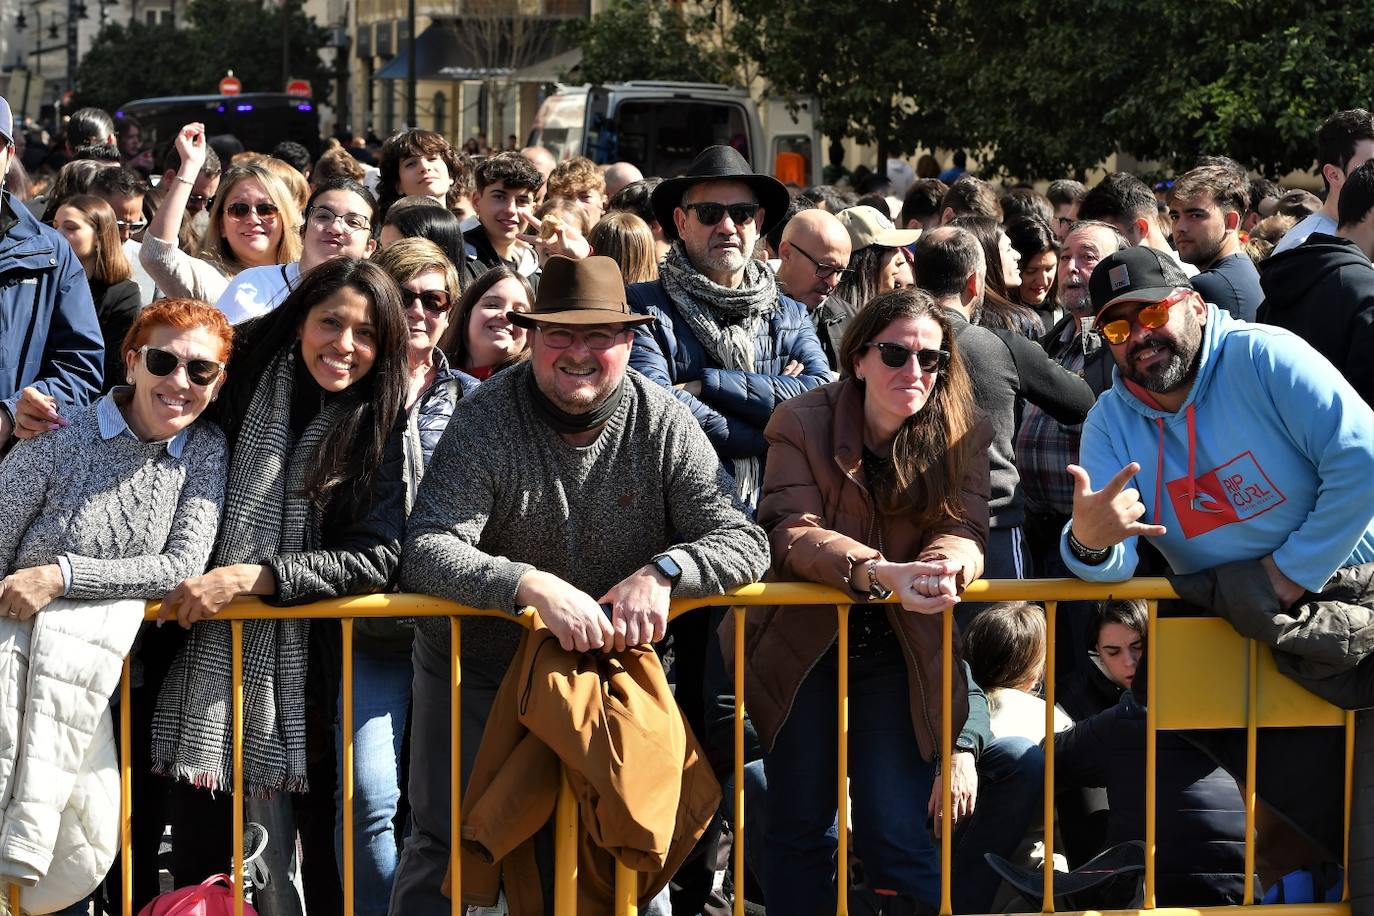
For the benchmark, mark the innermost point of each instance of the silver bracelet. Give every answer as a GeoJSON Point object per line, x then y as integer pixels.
{"type": "Point", "coordinates": [185, 181]}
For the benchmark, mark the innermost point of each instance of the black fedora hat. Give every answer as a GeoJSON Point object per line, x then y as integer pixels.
{"type": "Point", "coordinates": [719, 163]}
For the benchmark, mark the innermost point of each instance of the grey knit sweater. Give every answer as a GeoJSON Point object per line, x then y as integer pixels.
{"type": "Point", "coordinates": [132, 520]}
{"type": "Point", "coordinates": [505, 494]}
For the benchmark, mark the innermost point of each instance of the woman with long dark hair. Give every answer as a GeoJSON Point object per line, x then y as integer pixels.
{"type": "Point", "coordinates": [1004, 273]}
{"type": "Point", "coordinates": [878, 261]}
{"type": "Point", "coordinates": [1035, 242]}
{"type": "Point", "coordinates": [314, 508]}
{"type": "Point", "coordinates": [876, 485]}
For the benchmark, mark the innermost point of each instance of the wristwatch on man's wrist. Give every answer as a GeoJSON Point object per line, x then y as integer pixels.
{"type": "Point", "coordinates": [668, 567]}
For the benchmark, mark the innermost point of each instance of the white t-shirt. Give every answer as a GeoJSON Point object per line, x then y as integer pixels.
{"type": "Point", "coordinates": [147, 287]}
{"type": "Point", "coordinates": [1317, 222]}
{"type": "Point", "coordinates": [257, 291]}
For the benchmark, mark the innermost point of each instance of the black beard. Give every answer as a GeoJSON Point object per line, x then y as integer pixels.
{"type": "Point", "coordinates": [1174, 373]}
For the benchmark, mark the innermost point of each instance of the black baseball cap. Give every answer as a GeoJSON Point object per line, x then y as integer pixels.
{"type": "Point", "coordinates": [1137, 274]}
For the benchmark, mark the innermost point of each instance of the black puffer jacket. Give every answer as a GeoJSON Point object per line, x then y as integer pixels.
{"type": "Point", "coordinates": [1201, 818]}
{"type": "Point", "coordinates": [1323, 291]}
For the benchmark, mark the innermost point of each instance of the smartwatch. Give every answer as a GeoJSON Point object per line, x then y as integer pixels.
{"type": "Point", "coordinates": [666, 565]}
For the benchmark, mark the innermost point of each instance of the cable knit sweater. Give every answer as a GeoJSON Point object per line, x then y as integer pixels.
{"type": "Point", "coordinates": [132, 520]}
{"type": "Point", "coordinates": [504, 494]}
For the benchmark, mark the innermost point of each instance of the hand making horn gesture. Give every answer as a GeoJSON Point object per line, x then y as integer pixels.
{"type": "Point", "coordinates": [1104, 518]}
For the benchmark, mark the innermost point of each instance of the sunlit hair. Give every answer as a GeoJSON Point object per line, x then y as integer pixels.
{"type": "Point", "coordinates": [291, 177]}
{"type": "Point", "coordinates": [72, 179]}
{"type": "Point", "coordinates": [455, 342]}
{"type": "Point", "coordinates": [111, 266]}
{"type": "Point", "coordinates": [866, 266]}
{"type": "Point", "coordinates": [999, 310]}
{"type": "Point", "coordinates": [183, 315]}
{"type": "Point", "coordinates": [573, 176]}
{"type": "Point", "coordinates": [626, 239]}
{"type": "Point", "coordinates": [1005, 645]}
{"type": "Point", "coordinates": [1133, 614]}
{"type": "Point", "coordinates": [214, 247]}
{"type": "Point", "coordinates": [1229, 189]}
{"type": "Point", "coordinates": [569, 210]}
{"type": "Point", "coordinates": [934, 446]}
{"type": "Point", "coordinates": [416, 142]}
{"type": "Point", "coordinates": [336, 163]}
{"type": "Point", "coordinates": [409, 258]}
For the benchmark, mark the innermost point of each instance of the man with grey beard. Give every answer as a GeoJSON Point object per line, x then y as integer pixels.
{"type": "Point", "coordinates": [726, 341]}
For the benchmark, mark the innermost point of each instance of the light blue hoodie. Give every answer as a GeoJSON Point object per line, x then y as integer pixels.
{"type": "Point", "coordinates": [1272, 452]}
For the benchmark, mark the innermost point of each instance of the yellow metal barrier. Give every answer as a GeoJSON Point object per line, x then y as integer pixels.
{"type": "Point", "coordinates": [1216, 679]}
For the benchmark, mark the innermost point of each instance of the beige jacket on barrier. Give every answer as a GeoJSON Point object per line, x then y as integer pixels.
{"type": "Point", "coordinates": [59, 773]}
{"type": "Point", "coordinates": [644, 790]}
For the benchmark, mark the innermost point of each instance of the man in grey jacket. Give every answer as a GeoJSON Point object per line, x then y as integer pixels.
{"type": "Point", "coordinates": [569, 486]}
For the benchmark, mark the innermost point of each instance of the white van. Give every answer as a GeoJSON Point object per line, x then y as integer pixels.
{"type": "Point", "coordinates": [661, 126]}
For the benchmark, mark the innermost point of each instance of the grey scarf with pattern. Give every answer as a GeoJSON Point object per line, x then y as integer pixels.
{"type": "Point", "coordinates": [265, 514]}
{"type": "Point", "coordinates": [726, 323]}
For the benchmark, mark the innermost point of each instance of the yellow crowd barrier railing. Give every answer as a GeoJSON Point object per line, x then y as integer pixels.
{"type": "Point", "coordinates": [1214, 678]}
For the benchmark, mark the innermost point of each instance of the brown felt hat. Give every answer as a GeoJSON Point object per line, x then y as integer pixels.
{"type": "Point", "coordinates": [586, 291]}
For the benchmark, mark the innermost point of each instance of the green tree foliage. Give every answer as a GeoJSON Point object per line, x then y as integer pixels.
{"type": "Point", "coordinates": [1044, 88]}
{"type": "Point", "coordinates": [651, 40]}
{"type": "Point", "coordinates": [139, 61]}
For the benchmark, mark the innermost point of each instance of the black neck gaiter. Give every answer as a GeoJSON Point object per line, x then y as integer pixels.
{"type": "Point", "coordinates": [571, 423]}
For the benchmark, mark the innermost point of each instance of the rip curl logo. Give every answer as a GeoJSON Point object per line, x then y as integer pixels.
{"type": "Point", "coordinates": [1236, 491]}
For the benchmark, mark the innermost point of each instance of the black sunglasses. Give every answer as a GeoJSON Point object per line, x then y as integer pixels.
{"type": "Point", "coordinates": [265, 210]}
{"type": "Point", "coordinates": [709, 214]}
{"type": "Point", "coordinates": [431, 300]}
{"type": "Point", "coordinates": [824, 271]}
{"type": "Point", "coordinates": [895, 356]}
{"type": "Point", "coordinates": [161, 363]}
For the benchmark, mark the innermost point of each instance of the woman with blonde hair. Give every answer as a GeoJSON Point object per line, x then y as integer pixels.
{"type": "Point", "coordinates": [626, 239]}
{"type": "Point", "coordinates": [253, 222]}
{"type": "Point", "coordinates": [88, 223]}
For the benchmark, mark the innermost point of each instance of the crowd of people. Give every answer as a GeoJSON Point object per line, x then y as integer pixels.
{"type": "Point", "coordinates": [518, 383]}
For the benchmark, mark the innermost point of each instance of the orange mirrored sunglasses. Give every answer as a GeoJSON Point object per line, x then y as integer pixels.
{"type": "Point", "coordinates": [1149, 318]}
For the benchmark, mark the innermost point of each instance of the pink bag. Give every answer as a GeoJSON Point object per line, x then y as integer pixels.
{"type": "Point", "coordinates": [212, 897]}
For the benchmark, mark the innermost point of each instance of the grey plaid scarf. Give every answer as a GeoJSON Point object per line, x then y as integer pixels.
{"type": "Point", "coordinates": [725, 322]}
{"type": "Point", "coordinates": [265, 514]}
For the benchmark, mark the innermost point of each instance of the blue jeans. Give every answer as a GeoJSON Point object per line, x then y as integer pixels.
{"type": "Point", "coordinates": [381, 697]}
{"type": "Point", "coordinates": [1011, 779]}
{"type": "Point", "coordinates": [889, 790]}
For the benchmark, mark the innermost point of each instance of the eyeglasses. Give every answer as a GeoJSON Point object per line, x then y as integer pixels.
{"type": "Point", "coordinates": [324, 218]}
{"type": "Point", "coordinates": [126, 226]}
{"type": "Point", "coordinates": [431, 300]}
{"type": "Point", "coordinates": [896, 356]}
{"type": "Point", "coordinates": [709, 214]}
{"type": "Point", "coordinates": [562, 338]}
{"type": "Point", "coordinates": [197, 202]}
{"type": "Point", "coordinates": [266, 210]}
{"type": "Point", "coordinates": [162, 363]}
{"type": "Point", "coordinates": [1150, 317]}
{"type": "Point", "coordinates": [824, 271]}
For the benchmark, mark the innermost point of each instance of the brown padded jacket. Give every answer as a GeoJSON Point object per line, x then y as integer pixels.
{"type": "Point", "coordinates": [644, 791]}
{"type": "Point", "coordinates": [822, 522]}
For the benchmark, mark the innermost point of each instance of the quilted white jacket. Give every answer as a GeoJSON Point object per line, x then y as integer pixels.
{"type": "Point", "coordinates": [59, 774]}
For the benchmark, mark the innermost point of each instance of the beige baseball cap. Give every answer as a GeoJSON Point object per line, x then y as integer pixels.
{"type": "Point", "coordinates": [867, 227]}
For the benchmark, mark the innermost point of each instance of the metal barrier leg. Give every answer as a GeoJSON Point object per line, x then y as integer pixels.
{"type": "Point", "coordinates": [346, 773]}
{"type": "Point", "coordinates": [126, 796]}
{"type": "Point", "coordinates": [1151, 721]}
{"type": "Point", "coordinates": [739, 612]}
{"type": "Point", "coordinates": [626, 891]}
{"type": "Point", "coordinates": [1251, 747]}
{"type": "Point", "coordinates": [236, 689]}
{"type": "Point", "coordinates": [1349, 800]}
{"type": "Point", "coordinates": [946, 771]}
{"type": "Point", "coordinates": [1047, 901]}
{"type": "Point", "coordinates": [565, 851]}
{"type": "Point", "coordinates": [455, 749]}
{"type": "Point", "coordinates": [842, 767]}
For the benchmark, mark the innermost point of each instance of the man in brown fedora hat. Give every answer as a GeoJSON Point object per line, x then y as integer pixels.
{"type": "Point", "coordinates": [727, 342]}
{"type": "Point", "coordinates": [565, 484]}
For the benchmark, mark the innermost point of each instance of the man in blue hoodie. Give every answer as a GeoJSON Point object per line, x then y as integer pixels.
{"type": "Point", "coordinates": [1224, 441]}
{"type": "Point", "coordinates": [51, 350]}
{"type": "Point", "coordinates": [1238, 442]}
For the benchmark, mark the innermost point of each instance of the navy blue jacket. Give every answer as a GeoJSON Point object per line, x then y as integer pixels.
{"type": "Point", "coordinates": [734, 406]}
{"type": "Point", "coordinates": [49, 335]}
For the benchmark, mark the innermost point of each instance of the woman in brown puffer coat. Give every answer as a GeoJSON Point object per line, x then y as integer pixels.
{"type": "Point", "coordinates": [875, 485]}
